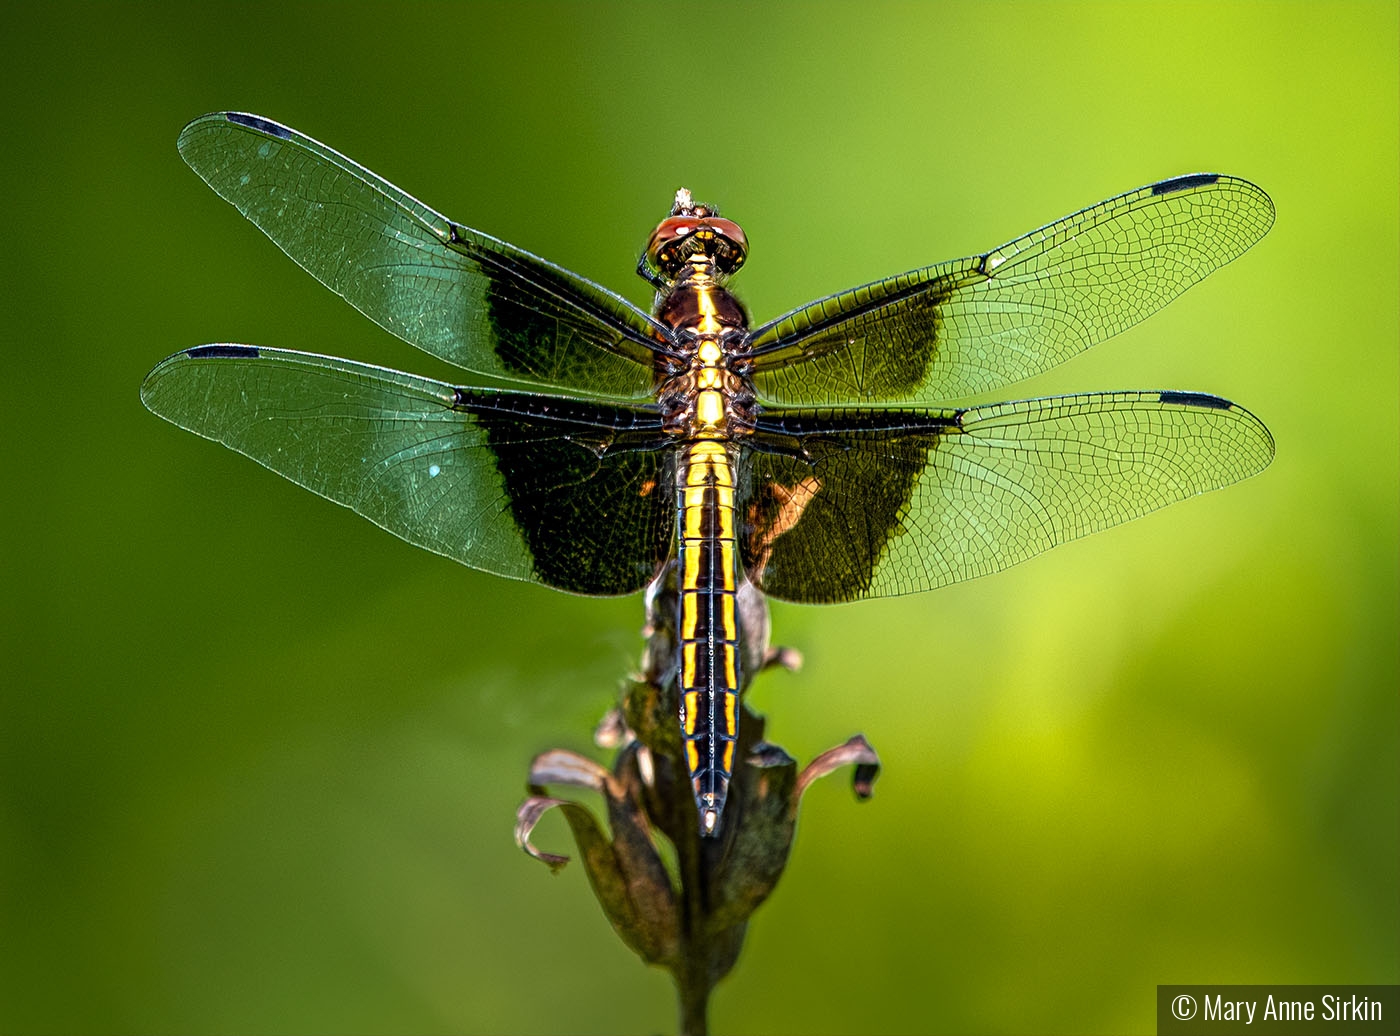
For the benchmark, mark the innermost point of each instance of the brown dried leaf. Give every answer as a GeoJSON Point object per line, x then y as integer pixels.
{"type": "Point", "coordinates": [855, 751]}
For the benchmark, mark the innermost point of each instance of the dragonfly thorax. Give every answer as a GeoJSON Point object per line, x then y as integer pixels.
{"type": "Point", "coordinates": [710, 395]}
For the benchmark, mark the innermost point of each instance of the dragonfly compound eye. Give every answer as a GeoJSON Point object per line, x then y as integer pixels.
{"type": "Point", "coordinates": [679, 239]}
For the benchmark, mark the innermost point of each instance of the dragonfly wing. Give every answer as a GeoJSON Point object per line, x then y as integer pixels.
{"type": "Point", "coordinates": [457, 293]}
{"type": "Point", "coordinates": [841, 505]}
{"type": "Point", "coordinates": [558, 491]}
{"type": "Point", "coordinates": [967, 326]}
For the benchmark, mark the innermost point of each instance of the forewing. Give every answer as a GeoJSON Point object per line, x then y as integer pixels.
{"type": "Point", "coordinates": [477, 302]}
{"type": "Point", "coordinates": [843, 505]}
{"type": "Point", "coordinates": [558, 491]}
{"type": "Point", "coordinates": [971, 325]}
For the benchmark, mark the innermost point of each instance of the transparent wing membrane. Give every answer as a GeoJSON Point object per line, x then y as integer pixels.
{"type": "Point", "coordinates": [971, 325]}
{"type": "Point", "coordinates": [566, 497]}
{"type": "Point", "coordinates": [476, 302]}
{"type": "Point", "coordinates": [872, 509]}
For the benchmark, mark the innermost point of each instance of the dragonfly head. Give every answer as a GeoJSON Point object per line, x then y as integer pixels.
{"type": "Point", "coordinates": [690, 231]}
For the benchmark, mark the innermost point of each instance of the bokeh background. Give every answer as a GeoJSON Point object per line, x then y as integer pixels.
{"type": "Point", "coordinates": [259, 760]}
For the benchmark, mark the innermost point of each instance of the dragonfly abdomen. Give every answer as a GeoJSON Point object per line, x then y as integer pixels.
{"type": "Point", "coordinates": [707, 623]}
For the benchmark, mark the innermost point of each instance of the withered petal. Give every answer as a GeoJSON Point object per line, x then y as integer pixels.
{"type": "Point", "coordinates": [856, 751]}
{"type": "Point", "coordinates": [609, 883]}
{"type": "Point", "coordinates": [767, 756]}
{"type": "Point", "coordinates": [783, 658]}
{"type": "Point", "coordinates": [612, 730]}
{"type": "Point", "coordinates": [561, 766]}
{"type": "Point", "coordinates": [628, 878]}
{"type": "Point", "coordinates": [529, 814]}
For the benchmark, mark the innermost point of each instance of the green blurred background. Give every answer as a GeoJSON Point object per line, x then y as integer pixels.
{"type": "Point", "coordinates": [259, 760]}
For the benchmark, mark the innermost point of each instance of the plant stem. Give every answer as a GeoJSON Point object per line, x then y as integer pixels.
{"type": "Point", "coordinates": [693, 995]}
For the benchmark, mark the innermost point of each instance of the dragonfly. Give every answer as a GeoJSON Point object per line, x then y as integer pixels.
{"type": "Point", "coordinates": [817, 457]}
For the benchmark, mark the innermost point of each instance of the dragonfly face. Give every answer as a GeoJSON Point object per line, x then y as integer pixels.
{"type": "Point", "coordinates": [692, 230]}
{"type": "Point", "coordinates": [812, 458]}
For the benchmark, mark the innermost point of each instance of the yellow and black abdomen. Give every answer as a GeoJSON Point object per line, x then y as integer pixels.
{"type": "Point", "coordinates": [707, 622]}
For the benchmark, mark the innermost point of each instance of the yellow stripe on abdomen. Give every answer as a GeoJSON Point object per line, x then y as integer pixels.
{"type": "Point", "coordinates": [707, 623]}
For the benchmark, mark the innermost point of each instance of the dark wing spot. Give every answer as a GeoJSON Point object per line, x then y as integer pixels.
{"type": "Point", "coordinates": [221, 352]}
{"type": "Point", "coordinates": [272, 129]}
{"type": "Point", "coordinates": [1184, 183]}
{"type": "Point", "coordinates": [569, 480]}
{"type": "Point", "coordinates": [1200, 399]}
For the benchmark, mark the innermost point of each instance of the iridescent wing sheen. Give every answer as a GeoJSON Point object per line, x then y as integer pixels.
{"type": "Point", "coordinates": [846, 504]}
{"type": "Point", "coordinates": [565, 492]}
{"type": "Point", "coordinates": [967, 326]}
{"type": "Point", "coordinates": [457, 293]}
